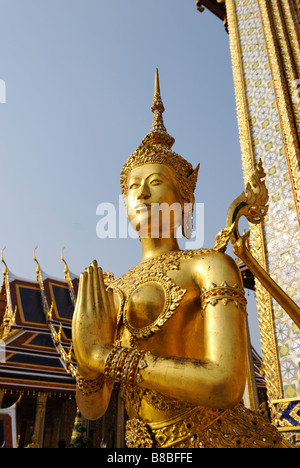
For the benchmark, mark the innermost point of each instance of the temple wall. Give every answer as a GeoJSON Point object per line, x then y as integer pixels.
{"type": "Point", "coordinates": [264, 45]}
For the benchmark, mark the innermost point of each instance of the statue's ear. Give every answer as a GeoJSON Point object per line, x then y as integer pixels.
{"type": "Point", "coordinates": [192, 180]}
{"type": "Point", "coordinates": [188, 205]}
{"type": "Point", "coordinates": [187, 220]}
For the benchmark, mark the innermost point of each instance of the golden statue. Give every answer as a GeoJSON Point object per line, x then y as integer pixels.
{"type": "Point", "coordinates": [172, 329]}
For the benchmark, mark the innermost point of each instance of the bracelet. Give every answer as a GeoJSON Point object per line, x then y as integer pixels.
{"type": "Point", "coordinates": [89, 386]}
{"type": "Point", "coordinates": [223, 293]}
{"type": "Point", "coordinates": [124, 364]}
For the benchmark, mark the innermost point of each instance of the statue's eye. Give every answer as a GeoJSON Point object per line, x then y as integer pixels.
{"type": "Point", "coordinates": [133, 185]}
{"type": "Point", "coordinates": [155, 182]}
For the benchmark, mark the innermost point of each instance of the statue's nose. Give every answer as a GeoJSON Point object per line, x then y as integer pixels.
{"type": "Point", "coordinates": [143, 192]}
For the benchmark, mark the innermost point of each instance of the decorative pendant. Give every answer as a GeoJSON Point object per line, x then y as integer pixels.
{"type": "Point", "coordinates": [173, 295]}
{"type": "Point", "coordinates": [151, 271]}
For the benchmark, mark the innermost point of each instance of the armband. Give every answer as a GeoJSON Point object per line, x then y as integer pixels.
{"type": "Point", "coordinates": [223, 293]}
{"type": "Point", "coordinates": [124, 365]}
{"type": "Point", "coordinates": [89, 386]}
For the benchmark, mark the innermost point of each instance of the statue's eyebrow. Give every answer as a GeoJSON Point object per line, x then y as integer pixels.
{"type": "Point", "coordinates": [137, 177]}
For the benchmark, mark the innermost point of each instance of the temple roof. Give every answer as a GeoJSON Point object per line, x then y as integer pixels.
{"type": "Point", "coordinates": [35, 320]}
{"type": "Point", "coordinates": [247, 275]}
{"type": "Point", "coordinates": [216, 7]}
{"type": "Point", "coordinates": [35, 324]}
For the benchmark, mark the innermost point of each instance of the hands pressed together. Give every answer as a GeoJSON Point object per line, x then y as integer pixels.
{"type": "Point", "coordinates": [94, 322]}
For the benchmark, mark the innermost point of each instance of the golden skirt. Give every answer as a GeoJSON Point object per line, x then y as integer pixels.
{"type": "Point", "coordinates": [206, 428]}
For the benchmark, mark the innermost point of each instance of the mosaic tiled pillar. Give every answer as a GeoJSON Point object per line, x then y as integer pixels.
{"type": "Point", "coordinates": [265, 53]}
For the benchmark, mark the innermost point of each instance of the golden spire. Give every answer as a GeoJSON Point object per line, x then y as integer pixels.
{"type": "Point", "coordinates": [156, 149]}
{"type": "Point", "coordinates": [158, 134]}
{"type": "Point", "coordinates": [156, 83]}
{"type": "Point", "coordinates": [68, 278]}
{"type": "Point", "coordinates": [38, 270]}
{"type": "Point", "coordinates": [66, 270]}
{"type": "Point", "coordinates": [2, 260]}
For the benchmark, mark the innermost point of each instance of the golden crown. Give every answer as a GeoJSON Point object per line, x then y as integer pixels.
{"type": "Point", "coordinates": [155, 148]}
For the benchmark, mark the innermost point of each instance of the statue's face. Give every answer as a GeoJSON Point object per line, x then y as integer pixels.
{"type": "Point", "coordinates": [153, 201]}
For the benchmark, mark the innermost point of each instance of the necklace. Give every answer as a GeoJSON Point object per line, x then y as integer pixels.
{"type": "Point", "coordinates": [155, 271]}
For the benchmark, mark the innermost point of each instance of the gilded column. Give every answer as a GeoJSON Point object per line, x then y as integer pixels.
{"type": "Point", "coordinates": [265, 53]}
{"type": "Point", "coordinates": [2, 393]}
{"type": "Point", "coordinates": [39, 424]}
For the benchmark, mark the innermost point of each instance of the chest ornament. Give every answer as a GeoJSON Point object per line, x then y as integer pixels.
{"type": "Point", "coordinates": [153, 271]}
{"type": "Point", "coordinates": [172, 297]}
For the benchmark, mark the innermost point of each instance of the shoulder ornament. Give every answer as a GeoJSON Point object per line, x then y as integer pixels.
{"type": "Point", "coordinates": [224, 293]}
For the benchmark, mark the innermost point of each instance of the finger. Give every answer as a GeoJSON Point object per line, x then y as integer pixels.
{"type": "Point", "coordinates": [90, 286]}
{"type": "Point", "coordinates": [81, 300]}
{"type": "Point", "coordinates": [110, 295]}
{"type": "Point", "coordinates": [97, 291]}
{"type": "Point", "coordinates": [82, 287]}
{"type": "Point", "coordinates": [103, 292]}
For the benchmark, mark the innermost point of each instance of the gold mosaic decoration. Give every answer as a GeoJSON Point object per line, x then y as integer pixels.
{"type": "Point", "coordinates": [296, 4]}
{"type": "Point", "coordinates": [265, 51]}
{"type": "Point", "coordinates": [286, 418]}
{"type": "Point", "coordinates": [267, 131]}
{"type": "Point", "coordinates": [271, 365]}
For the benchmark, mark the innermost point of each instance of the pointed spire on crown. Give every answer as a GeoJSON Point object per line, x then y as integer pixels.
{"type": "Point", "coordinates": [158, 134]}
{"type": "Point", "coordinates": [155, 148]}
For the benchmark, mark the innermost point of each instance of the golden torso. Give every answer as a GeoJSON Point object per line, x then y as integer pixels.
{"type": "Point", "coordinates": [187, 309]}
{"type": "Point", "coordinates": [159, 310]}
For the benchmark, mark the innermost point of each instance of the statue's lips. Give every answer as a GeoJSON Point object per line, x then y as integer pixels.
{"type": "Point", "coordinates": [142, 206]}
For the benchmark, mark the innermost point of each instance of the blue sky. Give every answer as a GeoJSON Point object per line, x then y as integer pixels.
{"type": "Point", "coordinates": [79, 78]}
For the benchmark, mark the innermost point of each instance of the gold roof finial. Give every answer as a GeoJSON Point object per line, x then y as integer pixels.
{"type": "Point", "coordinates": [158, 134]}
{"type": "Point", "coordinates": [35, 260]}
{"type": "Point", "coordinates": [70, 353]}
{"type": "Point", "coordinates": [49, 317]}
{"type": "Point", "coordinates": [63, 260]}
{"type": "Point", "coordinates": [68, 277]}
{"type": "Point", "coordinates": [58, 335]}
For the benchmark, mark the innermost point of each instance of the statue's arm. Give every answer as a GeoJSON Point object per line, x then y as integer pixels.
{"type": "Point", "coordinates": [93, 406]}
{"type": "Point", "coordinates": [94, 322]}
{"type": "Point", "coordinates": [216, 379]}
{"type": "Point", "coordinates": [219, 379]}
